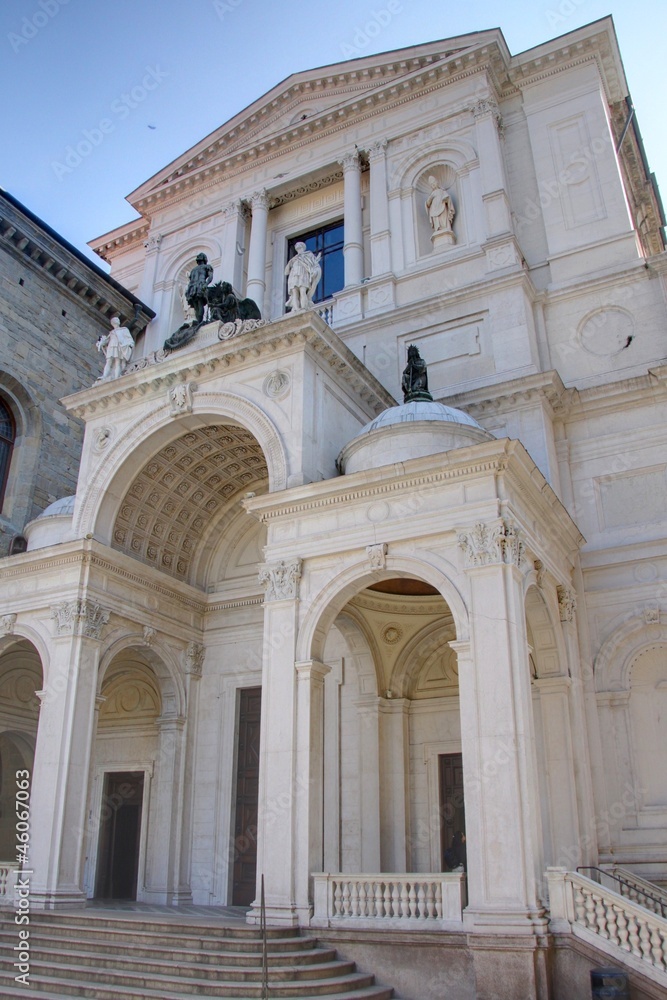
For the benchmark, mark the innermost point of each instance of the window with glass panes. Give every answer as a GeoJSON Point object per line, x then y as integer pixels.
{"type": "Point", "coordinates": [328, 241]}
{"type": "Point", "coordinates": [7, 435]}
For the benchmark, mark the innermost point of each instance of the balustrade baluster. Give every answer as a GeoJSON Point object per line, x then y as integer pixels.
{"type": "Point", "coordinates": [580, 905]}
{"type": "Point", "coordinates": [337, 896]}
{"type": "Point", "coordinates": [346, 899]}
{"type": "Point", "coordinates": [657, 949]}
{"type": "Point", "coordinates": [378, 911]}
{"type": "Point", "coordinates": [354, 899]}
{"type": "Point", "coordinates": [601, 916]}
{"type": "Point", "coordinates": [430, 900]}
{"type": "Point", "coordinates": [644, 938]}
{"type": "Point", "coordinates": [387, 899]}
{"type": "Point", "coordinates": [622, 924]}
{"type": "Point", "coordinates": [589, 914]}
{"type": "Point", "coordinates": [438, 901]}
{"type": "Point", "coordinates": [395, 897]}
{"type": "Point", "coordinates": [404, 904]}
{"type": "Point", "coordinates": [421, 897]}
{"type": "Point", "coordinates": [362, 899]}
{"type": "Point", "coordinates": [634, 936]}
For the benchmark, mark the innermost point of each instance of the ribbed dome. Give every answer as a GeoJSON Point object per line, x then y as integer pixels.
{"type": "Point", "coordinates": [59, 508]}
{"type": "Point", "coordinates": [419, 409]}
{"type": "Point", "coordinates": [412, 430]}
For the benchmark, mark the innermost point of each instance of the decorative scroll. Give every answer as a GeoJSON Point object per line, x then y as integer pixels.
{"type": "Point", "coordinates": [377, 555]}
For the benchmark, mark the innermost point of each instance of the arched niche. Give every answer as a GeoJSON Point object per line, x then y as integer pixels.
{"type": "Point", "coordinates": [175, 272]}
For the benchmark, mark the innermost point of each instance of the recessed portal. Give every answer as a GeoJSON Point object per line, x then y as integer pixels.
{"type": "Point", "coordinates": [120, 835]}
{"type": "Point", "coordinates": [247, 795]}
{"type": "Point", "coordinates": [452, 809]}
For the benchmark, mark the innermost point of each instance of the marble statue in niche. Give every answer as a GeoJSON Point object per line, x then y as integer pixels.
{"type": "Point", "coordinates": [440, 210]}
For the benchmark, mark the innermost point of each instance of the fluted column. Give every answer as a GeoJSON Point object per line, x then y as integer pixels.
{"type": "Point", "coordinates": [256, 283]}
{"type": "Point", "coordinates": [233, 243]}
{"type": "Point", "coordinates": [353, 248]}
{"type": "Point", "coordinates": [309, 786]}
{"type": "Point", "coordinates": [380, 235]}
{"type": "Point", "coordinates": [62, 756]}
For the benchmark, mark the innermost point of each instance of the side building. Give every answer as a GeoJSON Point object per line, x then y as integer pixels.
{"type": "Point", "coordinates": [54, 304]}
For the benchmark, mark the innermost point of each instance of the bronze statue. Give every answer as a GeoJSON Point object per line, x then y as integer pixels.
{"type": "Point", "coordinates": [226, 307]}
{"type": "Point", "coordinates": [415, 378]}
{"type": "Point", "coordinates": [201, 276]}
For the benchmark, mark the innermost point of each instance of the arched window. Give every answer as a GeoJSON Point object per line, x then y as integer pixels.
{"type": "Point", "coordinates": [7, 437]}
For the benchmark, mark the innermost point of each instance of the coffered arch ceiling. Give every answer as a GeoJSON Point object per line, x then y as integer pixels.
{"type": "Point", "coordinates": [179, 494]}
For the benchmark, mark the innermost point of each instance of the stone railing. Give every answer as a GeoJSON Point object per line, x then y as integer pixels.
{"type": "Point", "coordinates": [326, 311]}
{"type": "Point", "coordinates": [404, 901]}
{"type": "Point", "coordinates": [611, 922]}
{"type": "Point", "coordinates": [638, 889]}
{"type": "Point", "coordinates": [8, 873]}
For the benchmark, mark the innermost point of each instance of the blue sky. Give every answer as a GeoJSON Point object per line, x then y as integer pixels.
{"type": "Point", "coordinates": [143, 80]}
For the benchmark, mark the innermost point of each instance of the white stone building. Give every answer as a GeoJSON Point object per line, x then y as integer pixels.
{"type": "Point", "coordinates": [271, 639]}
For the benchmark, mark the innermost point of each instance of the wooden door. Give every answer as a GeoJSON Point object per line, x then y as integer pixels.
{"type": "Point", "coordinates": [120, 832]}
{"type": "Point", "coordinates": [247, 793]}
{"type": "Point", "coordinates": [452, 809]}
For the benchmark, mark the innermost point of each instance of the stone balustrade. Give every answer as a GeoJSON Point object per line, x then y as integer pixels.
{"type": "Point", "coordinates": [404, 901]}
{"type": "Point", "coordinates": [609, 921]}
{"type": "Point", "coordinates": [8, 873]}
{"type": "Point", "coordinates": [638, 889]}
{"type": "Point", "coordinates": [326, 311]}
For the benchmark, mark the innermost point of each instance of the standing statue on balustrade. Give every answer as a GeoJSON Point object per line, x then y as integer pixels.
{"type": "Point", "coordinates": [303, 276]}
{"type": "Point", "coordinates": [117, 345]}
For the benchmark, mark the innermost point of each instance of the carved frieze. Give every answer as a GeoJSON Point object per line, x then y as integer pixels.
{"type": "Point", "coordinates": [79, 617]}
{"type": "Point", "coordinates": [377, 555]}
{"type": "Point", "coordinates": [281, 580]}
{"type": "Point", "coordinates": [484, 545]}
{"type": "Point", "coordinates": [567, 603]}
{"type": "Point", "coordinates": [194, 659]}
{"type": "Point", "coordinates": [7, 623]}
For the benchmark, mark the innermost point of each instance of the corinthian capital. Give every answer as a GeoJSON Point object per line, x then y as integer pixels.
{"type": "Point", "coordinates": [281, 580]}
{"type": "Point", "coordinates": [259, 199]}
{"type": "Point", "coordinates": [350, 161]}
{"type": "Point", "coordinates": [79, 617]}
{"type": "Point", "coordinates": [484, 545]}
{"type": "Point", "coordinates": [152, 242]}
{"type": "Point", "coordinates": [376, 149]}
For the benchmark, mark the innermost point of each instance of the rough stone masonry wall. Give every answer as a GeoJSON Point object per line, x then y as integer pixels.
{"type": "Point", "coordinates": [44, 355]}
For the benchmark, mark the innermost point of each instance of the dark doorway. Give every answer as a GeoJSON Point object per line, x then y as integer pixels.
{"type": "Point", "coordinates": [118, 856]}
{"type": "Point", "coordinates": [452, 809]}
{"type": "Point", "coordinates": [247, 793]}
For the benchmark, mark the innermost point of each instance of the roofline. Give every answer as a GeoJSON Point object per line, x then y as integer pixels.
{"type": "Point", "coordinates": [75, 252]}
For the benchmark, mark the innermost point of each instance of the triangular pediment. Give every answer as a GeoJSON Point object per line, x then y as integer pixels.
{"type": "Point", "coordinates": [310, 102]}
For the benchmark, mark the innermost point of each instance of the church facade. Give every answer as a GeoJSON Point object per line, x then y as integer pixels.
{"type": "Point", "coordinates": [293, 627]}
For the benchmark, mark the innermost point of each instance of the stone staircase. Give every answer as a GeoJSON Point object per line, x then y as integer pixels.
{"type": "Point", "coordinates": [115, 958]}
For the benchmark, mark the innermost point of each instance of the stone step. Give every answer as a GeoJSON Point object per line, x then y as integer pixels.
{"type": "Point", "coordinates": [352, 987]}
{"type": "Point", "coordinates": [154, 945]}
{"type": "Point", "coordinates": [107, 952]}
{"type": "Point", "coordinates": [170, 928]}
{"type": "Point", "coordinates": [196, 978]}
{"type": "Point", "coordinates": [123, 934]}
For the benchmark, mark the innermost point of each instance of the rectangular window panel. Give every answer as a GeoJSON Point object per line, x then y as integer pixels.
{"type": "Point", "coordinates": [327, 241]}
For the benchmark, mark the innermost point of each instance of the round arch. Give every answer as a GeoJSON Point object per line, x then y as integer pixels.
{"type": "Point", "coordinates": [548, 646]}
{"type": "Point", "coordinates": [333, 597]}
{"type": "Point", "coordinates": [38, 642]}
{"type": "Point", "coordinates": [170, 681]}
{"type": "Point", "coordinates": [172, 265]}
{"type": "Point", "coordinates": [97, 509]}
{"type": "Point", "coordinates": [407, 665]}
{"type": "Point", "coordinates": [613, 664]}
{"type": "Point", "coordinates": [461, 155]}
{"type": "Point", "coordinates": [362, 649]}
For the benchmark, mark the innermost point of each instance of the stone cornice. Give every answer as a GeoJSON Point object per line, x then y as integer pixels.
{"type": "Point", "coordinates": [498, 458]}
{"type": "Point", "coordinates": [193, 362]}
{"type": "Point", "coordinates": [81, 282]}
{"type": "Point", "coordinates": [503, 396]}
{"type": "Point", "coordinates": [118, 240]}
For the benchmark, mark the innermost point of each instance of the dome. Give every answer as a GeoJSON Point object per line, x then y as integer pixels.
{"type": "Point", "coordinates": [412, 430]}
{"type": "Point", "coordinates": [52, 526]}
{"type": "Point", "coordinates": [59, 508]}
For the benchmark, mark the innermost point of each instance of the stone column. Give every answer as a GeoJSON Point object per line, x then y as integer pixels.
{"type": "Point", "coordinates": [58, 797]}
{"type": "Point", "coordinates": [309, 790]}
{"type": "Point", "coordinates": [353, 248]}
{"type": "Point", "coordinates": [147, 284]}
{"type": "Point", "coordinates": [499, 768]}
{"type": "Point", "coordinates": [276, 833]}
{"type": "Point", "coordinates": [559, 761]}
{"type": "Point", "coordinates": [369, 782]}
{"type": "Point", "coordinates": [488, 127]}
{"type": "Point", "coordinates": [231, 266]}
{"type": "Point", "coordinates": [166, 816]}
{"type": "Point", "coordinates": [194, 661]}
{"type": "Point", "coordinates": [256, 282]}
{"type": "Point", "coordinates": [380, 233]}
{"type": "Point", "coordinates": [394, 778]}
